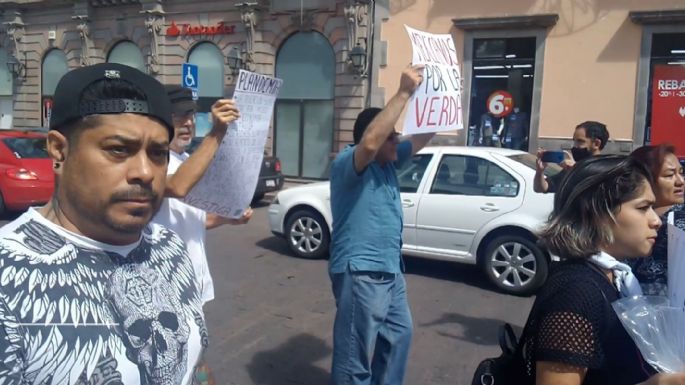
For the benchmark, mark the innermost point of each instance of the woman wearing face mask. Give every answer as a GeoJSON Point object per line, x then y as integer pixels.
{"type": "Point", "coordinates": [602, 211]}
{"type": "Point", "coordinates": [668, 185]}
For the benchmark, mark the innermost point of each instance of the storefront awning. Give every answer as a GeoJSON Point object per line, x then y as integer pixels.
{"type": "Point", "coordinates": [658, 17]}
{"type": "Point", "coordinates": [510, 22]}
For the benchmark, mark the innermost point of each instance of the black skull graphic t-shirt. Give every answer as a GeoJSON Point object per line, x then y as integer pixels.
{"type": "Point", "coordinates": [74, 311]}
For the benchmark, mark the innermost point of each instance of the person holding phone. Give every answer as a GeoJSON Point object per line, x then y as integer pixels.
{"type": "Point", "coordinates": [589, 139]}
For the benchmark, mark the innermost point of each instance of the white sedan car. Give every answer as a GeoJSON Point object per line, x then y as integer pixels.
{"type": "Point", "coordinates": [465, 204]}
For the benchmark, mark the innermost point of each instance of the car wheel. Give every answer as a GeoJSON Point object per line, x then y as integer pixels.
{"type": "Point", "coordinates": [307, 234]}
{"type": "Point", "coordinates": [515, 264]}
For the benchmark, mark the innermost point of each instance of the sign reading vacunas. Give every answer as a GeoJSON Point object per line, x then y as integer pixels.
{"type": "Point", "coordinates": [229, 184]}
{"type": "Point", "coordinates": [436, 104]}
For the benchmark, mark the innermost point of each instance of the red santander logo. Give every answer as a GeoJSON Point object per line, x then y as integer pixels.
{"type": "Point", "coordinates": [193, 30]}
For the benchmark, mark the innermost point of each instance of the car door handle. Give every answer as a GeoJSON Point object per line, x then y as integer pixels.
{"type": "Point", "coordinates": [489, 207]}
{"type": "Point", "coordinates": [406, 203]}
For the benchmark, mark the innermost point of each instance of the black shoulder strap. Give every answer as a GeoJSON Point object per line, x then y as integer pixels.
{"type": "Point", "coordinates": [507, 339]}
{"type": "Point", "coordinates": [596, 269]}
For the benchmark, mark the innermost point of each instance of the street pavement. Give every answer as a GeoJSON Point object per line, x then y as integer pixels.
{"type": "Point", "coordinates": [271, 321]}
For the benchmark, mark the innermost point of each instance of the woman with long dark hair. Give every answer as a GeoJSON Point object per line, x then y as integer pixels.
{"type": "Point", "coordinates": [603, 212]}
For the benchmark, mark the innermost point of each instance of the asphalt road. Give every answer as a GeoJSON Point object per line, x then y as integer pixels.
{"type": "Point", "coordinates": [271, 322]}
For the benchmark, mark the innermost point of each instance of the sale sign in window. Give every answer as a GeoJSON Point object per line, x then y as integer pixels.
{"type": "Point", "coordinates": [668, 106]}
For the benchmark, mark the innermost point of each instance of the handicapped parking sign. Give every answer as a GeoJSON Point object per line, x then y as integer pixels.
{"type": "Point", "coordinates": [189, 78]}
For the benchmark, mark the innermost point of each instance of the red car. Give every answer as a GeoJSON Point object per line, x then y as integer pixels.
{"type": "Point", "coordinates": [26, 176]}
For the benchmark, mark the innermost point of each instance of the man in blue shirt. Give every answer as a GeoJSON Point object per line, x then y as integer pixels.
{"type": "Point", "coordinates": [373, 314]}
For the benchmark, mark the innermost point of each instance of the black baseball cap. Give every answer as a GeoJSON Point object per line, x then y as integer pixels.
{"type": "Point", "coordinates": [68, 105]}
{"type": "Point", "coordinates": [181, 99]}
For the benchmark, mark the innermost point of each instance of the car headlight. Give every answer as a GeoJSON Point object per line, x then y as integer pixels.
{"type": "Point", "coordinates": [275, 201]}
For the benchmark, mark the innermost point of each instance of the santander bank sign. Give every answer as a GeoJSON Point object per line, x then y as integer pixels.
{"type": "Point", "coordinates": [220, 28]}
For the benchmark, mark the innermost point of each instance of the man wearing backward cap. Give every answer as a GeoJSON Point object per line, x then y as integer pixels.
{"type": "Point", "coordinates": [90, 291]}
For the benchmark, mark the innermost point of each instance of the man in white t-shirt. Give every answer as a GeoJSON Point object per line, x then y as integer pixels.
{"type": "Point", "coordinates": [184, 124]}
{"type": "Point", "coordinates": [189, 222]}
{"type": "Point", "coordinates": [91, 292]}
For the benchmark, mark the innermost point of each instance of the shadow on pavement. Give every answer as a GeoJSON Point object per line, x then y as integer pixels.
{"type": "Point", "coordinates": [470, 275]}
{"type": "Point", "coordinates": [275, 244]}
{"type": "Point", "coordinates": [291, 363]}
{"type": "Point", "coordinates": [477, 330]}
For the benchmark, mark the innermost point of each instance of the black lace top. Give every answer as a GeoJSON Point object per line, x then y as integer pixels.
{"type": "Point", "coordinates": [573, 323]}
{"type": "Point", "coordinates": [651, 271]}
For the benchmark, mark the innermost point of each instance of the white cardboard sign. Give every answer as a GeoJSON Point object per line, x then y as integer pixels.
{"type": "Point", "coordinates": [229, 184]}
{"type": "Point", "coordinates": [436, 103]}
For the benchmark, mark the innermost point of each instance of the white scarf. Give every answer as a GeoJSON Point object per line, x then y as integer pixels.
{"type": "Point", "coordinates": [626, 283]}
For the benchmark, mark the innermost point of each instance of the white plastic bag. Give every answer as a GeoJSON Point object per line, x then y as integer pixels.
{"type": "Point", "coordinates": [676, 266]}
{"type": "Point", "coordinates": [657, 329]}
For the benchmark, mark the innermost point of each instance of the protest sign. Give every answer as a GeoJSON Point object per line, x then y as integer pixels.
{"type": "Point", "coordinates": [676, 266]}
{"type": "Point", "coordinates": [436, 103]}
{"type": "Point", "coordinates": [229, 184]}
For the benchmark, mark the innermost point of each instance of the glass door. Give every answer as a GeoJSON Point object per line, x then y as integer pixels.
{"type": "Point", "coordinates": [305, 108]}
{"type": "Point", "coordinates": [502, 92]}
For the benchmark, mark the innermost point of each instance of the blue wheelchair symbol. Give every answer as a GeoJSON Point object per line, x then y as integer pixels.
{"type": "Point", "coordinates": [190, 74]}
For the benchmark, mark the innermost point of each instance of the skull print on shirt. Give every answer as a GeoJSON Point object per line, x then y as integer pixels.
{"type": "Point", "coordinates": [156, 337]}
{"type": "Point", "coordinates": [77, 312]}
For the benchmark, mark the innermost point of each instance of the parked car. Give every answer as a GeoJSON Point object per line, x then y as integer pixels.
{"type": "Point", "coordinates": [270, 176]}
{"type": "Point", "coordinates": [26, 176]}
{"type": "Point", "coordinates": [471, 205]}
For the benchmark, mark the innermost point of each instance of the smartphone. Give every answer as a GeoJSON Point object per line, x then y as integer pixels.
{"type": "Point", "coordinates": [553, 156]}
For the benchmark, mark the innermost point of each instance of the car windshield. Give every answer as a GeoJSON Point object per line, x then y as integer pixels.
{"type": "Point", "coordinates": [529, 161]}
{"type": "Point", "coordinates": [27, 148]}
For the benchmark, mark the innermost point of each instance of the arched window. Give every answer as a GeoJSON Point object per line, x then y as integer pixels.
{"type": "Point", "coordinates": [304, 110]}
{"type": "Point", "coordinates": [129, 54]}
{"type": "Point", "coordinates": [210, 62]}
{"type": "Point", "coordinates": [53, 68]}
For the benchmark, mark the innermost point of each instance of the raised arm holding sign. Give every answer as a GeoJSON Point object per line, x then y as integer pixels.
{"type": "Point", "coordinates": [228, 185]}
